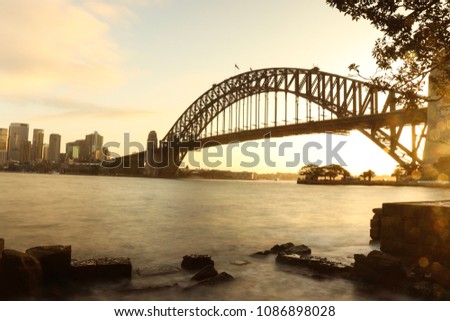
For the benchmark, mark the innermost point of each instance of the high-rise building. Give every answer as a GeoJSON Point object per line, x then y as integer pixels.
{"type": "Point", "coordinates": [18, 137]}
{"type": "Point", "coordinates": [94, 144]}
{"type": "Point", "coordinates": [45, 152]}
{"type": "Point", "coordinates": [25, 152]}
{"type": "Point", "coordinates": [54, 148]}
{"type": "Point", "coordinates": [75, 150]}
{"type": "Point", "coordinates": [3, 145]}
{"type": "Point", "coordinates": [37, 149]}
{"type": "Point", "coordinates": [86, 150]}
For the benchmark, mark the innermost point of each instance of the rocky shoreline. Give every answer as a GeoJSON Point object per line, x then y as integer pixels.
{"type": "Point", "coordinates": [50, 273]}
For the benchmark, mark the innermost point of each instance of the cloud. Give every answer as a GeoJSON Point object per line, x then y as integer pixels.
{"type": "Point", "coordinates": [49, 44]}
{"type": "Point", "coordinates": [116, 12]}
{"type": "Point", "coordinates": [67, 108]}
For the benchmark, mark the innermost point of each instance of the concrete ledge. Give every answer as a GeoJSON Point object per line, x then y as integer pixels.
{"type": "Point", "coordinates": [416, 230]}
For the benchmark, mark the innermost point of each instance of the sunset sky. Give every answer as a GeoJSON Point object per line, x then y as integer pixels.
{"type": "Point", "coordinates": [131, 66]}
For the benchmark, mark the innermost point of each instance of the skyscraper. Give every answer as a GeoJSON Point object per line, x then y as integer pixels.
{"type": "Point", "coordinates": [37, 149]}
{"type": "Point", "coordinates": [54, 148]}
{"type": "Point", "coordinates": [3, 145]}
{"type": "Point", "coordinates": [45, 152]}
{"type": "Point", "coordinates": [18, 137]}
{"type": "Point", "coordinates": [86, 150]}
{"type": "Point", "coordinates": [94, 144]}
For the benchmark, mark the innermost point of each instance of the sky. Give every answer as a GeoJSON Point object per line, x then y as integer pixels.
{"type": "Point", "coordinates": [131, 66]}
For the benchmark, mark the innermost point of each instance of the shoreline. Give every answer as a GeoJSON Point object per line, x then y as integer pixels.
{"type": "Point", "coordinates": [377, 183]}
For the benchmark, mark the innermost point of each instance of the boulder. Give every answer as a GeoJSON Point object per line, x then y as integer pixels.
{"type": "Point", "coordinates": [196, 261]}
{"type": "Point", "coordinates": [379, 267]}
{"type": "Point", "coordinates": [440, 274]}
{"type": "Point", "coordinates": [206, 273]}
{"type": "Point", "coordinates": [240, 262]}
{"type": "Point", "coordinates": [218, 279]}
{"type": "Point", "coordinates": [157, 269]}
{"type": "Point", "coordinates": [428, 291]}
{"type": "Point", "coordinates": [377, 211]}
{"type": "Point", "coordinates": [301, 250]}
{"type": "Point", "coordinates": [317, 264]}
{"type": "Point", "coordinates": [261, 253]}
{"type": "Point", "coordinates": [375, 234]}
{"type": "Point", "coordinates": [375, 224]}
{"type": "Point", "coordinates": [100, 270]}
{"type": "Point", "coordinates": [55, 261]}
{"type": "Point", "coordinates": [281, 248]}
{"type": "Point", "coordinates": [20, 276]}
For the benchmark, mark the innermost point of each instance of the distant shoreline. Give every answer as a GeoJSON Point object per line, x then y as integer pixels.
{"type": "Point", "coordinates": [377, 183]}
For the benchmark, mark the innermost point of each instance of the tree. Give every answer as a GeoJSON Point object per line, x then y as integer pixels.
{"type": "Point", "coordinates": [369, 174]}
{"type": "Point", "coordinates": [399, 171]}
{"type": "Point", "coordinates": [415, 42]}
{"type": "Point", "coordinates": [311, 172]}
{"type": "Point", "coordinates": [334, 170]}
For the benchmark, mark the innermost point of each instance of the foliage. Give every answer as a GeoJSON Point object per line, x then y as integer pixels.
{"type": "Point", "coordinates": [314, 172]}
{"type": "Point", "coordinates": [399, 171]}
{"type": "Point", "coordinates": [369, 174]}
{"type": "Point", "coordinates": [415, 42]}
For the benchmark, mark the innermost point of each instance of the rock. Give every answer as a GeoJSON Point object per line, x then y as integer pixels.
{"type": "Point", "coordinates": [375, 225]}
{"type": "Point", "coordinates": [379, 267]}
{"type": "Point", "coordinates": [318, 264]}
{"type": "Point", "coordinates": [375, 234]}
{"type": "Point", "coordinates": [20, 276]}
{"type": "Point", "coordinates": [301, 250]}
{"type": "Point", "coordinates": [206, 273]}
{"type": "Point", "coordinates": [196, 262]}
{"type": "Point", "coordinates": [218, 279]}
{"type": "Point", "coordinates": [150, 288]}
{"type": "Point", "coordinates": [55, 261]}
{"type": "Point", "coordinates": [281, 248]}
{"type": "Point", "coordinates": [261, 253]}
{"type": "Point", "coordinates": [158, 269]}
{"type": "Point", "coordinates": [428, 291]}
{"type": "Point", "coordinates": [440, 274]}
{"type": "Point", "coordinates": [377, 211]}
{"type": "Point", "coordinates": [2, 246]}
{"type": "Point", "coordinates": [101, 270]}
{"type": "Point", "coordinates": [240, 262]}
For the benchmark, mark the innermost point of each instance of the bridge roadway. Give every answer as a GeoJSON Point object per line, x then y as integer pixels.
{"type": "Point", "coordinates": [391, 119]}
{"type": "Point", "coordinates": [133, 163]}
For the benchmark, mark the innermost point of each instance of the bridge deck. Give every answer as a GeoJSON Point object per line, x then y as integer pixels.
{"type": "Point", "coordinates": [395, 118]}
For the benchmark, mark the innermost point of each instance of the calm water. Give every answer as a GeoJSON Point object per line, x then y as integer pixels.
{"type": "Point", "coordinates": [155, 221]}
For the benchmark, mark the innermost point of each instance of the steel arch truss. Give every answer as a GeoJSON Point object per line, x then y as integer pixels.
{"type": "Point", "coordinates": [353, 103]}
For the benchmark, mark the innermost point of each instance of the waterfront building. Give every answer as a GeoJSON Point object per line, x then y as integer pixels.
{"type": "Point", "coordinates": [88, 150]}
{"type": "Point", "coordinates": [94, 144]}
{"type": "Point", "coordinates": [54, 148]}
{"type": "Point", "coordinates": [45, 153]}
{"type": "Point", "coordinates": [18, 142]}
{"type": "Point", "coordinates": [25, 152]}
{"type": "Point", "coordinates": [74, 150]}
{"type": "Point", "coordinates": [37, 149]}
{"type": "Point", "coordinates": [3, 145]}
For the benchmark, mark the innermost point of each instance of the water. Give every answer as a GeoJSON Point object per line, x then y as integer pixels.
{"type": "Point", "coordinates": [156, 221]}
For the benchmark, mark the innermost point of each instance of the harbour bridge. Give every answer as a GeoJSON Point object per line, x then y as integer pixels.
{"type": "Point", "coordinates": [286, 102]}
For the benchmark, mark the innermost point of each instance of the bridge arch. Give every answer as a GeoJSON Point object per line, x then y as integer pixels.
{"type": "Point", "coordinates": [354, 104]}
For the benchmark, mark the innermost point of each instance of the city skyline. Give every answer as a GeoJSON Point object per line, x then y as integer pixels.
{"type": "Point", "coordinates": [16, 147]}
{"type": "Point", "coordinates": [114, 66]}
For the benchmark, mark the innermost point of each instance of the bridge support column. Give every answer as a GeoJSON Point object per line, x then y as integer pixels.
{"type": "Point", "coordinates": [164, 159]}
{"type": "Point", "coordinates": [437, 147]}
